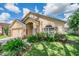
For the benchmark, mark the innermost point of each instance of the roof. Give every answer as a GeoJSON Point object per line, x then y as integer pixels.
{"type": "Point", "coordinates": [23, 25]}
{"type": "Point", "coordinates": [4, 24]}
{"type": "Point", "coordinates": [43, 16]}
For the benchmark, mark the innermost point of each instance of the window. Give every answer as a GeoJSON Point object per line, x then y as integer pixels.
{"type": "Point", "coordinates": [49, 29]}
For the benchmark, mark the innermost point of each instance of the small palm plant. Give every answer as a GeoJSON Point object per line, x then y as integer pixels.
{"type": "Point", "coordinates": [14, 47]}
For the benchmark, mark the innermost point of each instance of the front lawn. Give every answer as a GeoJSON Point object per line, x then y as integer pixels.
{"type": "Point", "coordinates": [53, 49]}
{"type": "Point", "coordinates": [2, 36]}
{"type": "Point", "coordinates": [46, 48]}
{"type": "Point", "coordinates": [73, 38]}
{"type": "Point", "coordinates": [43, 48]}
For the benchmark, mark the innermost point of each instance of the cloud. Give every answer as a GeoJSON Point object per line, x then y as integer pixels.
{"type": "Point", "coordinates": [70, 9]}
{"type": "Point", "coordinates": [1, 8]}
{"type": "Point", "coordinates": [36, 10]}
{"type": "Point", "coordinates": [4, 17]}
{"type": "Point", "coordinates": [9, 21]}
{"type": "Point", "coordinates": [25, 11]}
{"type": "Point", "coordinates": [12, 7]}
{"type": "Point", "coordinates": [54, 8]}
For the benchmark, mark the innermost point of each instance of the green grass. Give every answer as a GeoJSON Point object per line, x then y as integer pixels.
{"type": "Point", "coordinates": [45, 48]}
{"type": "Point", "coordinates": [53, 49]}
{"type": "Point", "coordinates": [2, 36]}
{"type": "Point", "coordinates": [73, 38]}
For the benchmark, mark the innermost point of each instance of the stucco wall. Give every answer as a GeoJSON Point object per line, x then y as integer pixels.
{"type": "Point", "coordinates": [16, 25]}
{"type": "Point", "coordinates": [41, 23]}
{"type": "Point", "coordinates": [17, 30]}
{"type": "Point", "coordinates": [54, 23]}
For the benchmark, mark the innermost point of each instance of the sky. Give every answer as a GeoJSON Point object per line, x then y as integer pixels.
{"type": "Point", "coordinates": [12, 11]}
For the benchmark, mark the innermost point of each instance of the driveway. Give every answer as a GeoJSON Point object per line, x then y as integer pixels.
{"type": "Point", "coordinates": [4, 40]}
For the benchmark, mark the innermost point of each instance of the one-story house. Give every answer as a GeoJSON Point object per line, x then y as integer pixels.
{"type": "Point", "coordinates": [34, 23]}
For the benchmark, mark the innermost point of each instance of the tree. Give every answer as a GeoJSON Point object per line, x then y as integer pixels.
{"type": "Point", "coordinates": [73, 21]}
{"type": "Point", "coordinates": [6, 30]}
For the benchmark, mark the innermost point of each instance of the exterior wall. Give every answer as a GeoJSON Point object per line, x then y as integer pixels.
{"type": "Point", "coordinates": [54, 23]}
{"type": "Point", "coordinates": [39, 26]}
{"type": "Point", "coordinates": [17, 30]}
{"type": "Point", "coordinates": [35, 25]}
{"type": "Point", "coordinates": [18, 33]}
{"type": "Point", "coordinates": [16, 25]}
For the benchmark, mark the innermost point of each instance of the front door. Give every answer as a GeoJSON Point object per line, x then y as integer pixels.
{"type": "Point", "coordinates": [29, 28]}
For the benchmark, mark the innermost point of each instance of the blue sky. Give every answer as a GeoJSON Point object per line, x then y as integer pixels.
{"type": "Point", "coordinates": [30, 6]}
{"type": "Point", "coordinates": [61, 11]}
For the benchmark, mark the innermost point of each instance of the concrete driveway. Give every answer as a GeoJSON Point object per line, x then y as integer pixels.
{"type": "Point", "coordinates": [4, 40]}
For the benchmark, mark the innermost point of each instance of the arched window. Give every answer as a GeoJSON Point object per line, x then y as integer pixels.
{"type": "Point", "coordinates": [48, 29]}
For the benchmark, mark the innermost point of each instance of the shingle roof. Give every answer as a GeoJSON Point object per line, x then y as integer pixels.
{"type": "Point", "coordinates": [43, 16]}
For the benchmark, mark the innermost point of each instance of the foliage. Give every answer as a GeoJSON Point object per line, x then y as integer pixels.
{"type": "Point", "coordinates": [73, 21]}
{"type": "Point", "coordinates": [47, 37]}
{"type": "Point", "coordinates": [32, 38]}
{"type": "Point", "coordinates": [14, 47]}
{"type": "Point", "coordinates": [41, 37]}
{"type": "Point", "coordinates": [60, 37]}
{"type": "Point", "coordinates": [6, 30]}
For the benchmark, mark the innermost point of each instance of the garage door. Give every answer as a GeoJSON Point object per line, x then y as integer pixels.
{"type": "Point", "coordinates": [16, 33]}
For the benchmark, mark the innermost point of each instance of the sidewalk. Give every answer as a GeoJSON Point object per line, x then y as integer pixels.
{"type": "Point", "coordinates": [4, 40]}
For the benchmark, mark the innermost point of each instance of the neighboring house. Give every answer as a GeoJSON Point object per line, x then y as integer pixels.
{"type": "Point", "coordinates": [1, 27]}
{"type": "Point", "coordinates": [34, 23]}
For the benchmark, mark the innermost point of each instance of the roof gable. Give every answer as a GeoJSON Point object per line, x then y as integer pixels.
{"type": "Point", "coordinates": [18, 24]}
{"type": "Point", "coordinates": [41, 16]}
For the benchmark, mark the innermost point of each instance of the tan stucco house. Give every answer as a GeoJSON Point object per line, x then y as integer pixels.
{"type": "Point", "coordinates": [34, 23]}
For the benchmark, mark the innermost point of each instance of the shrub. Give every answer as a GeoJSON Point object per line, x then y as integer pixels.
{"type": "Point", "coordinates": [60, 37]}
{"type": "Point", "coordinates": [47, 37]}
{"type": "Point", "coordinates": [40, 37]}
{"type": "Point", "coordinates": [14, 47]}
{"type": "Point", "coordinates": [32, 38]}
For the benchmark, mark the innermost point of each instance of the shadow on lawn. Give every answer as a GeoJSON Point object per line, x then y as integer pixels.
{"type": "Point", "coordinates": [44, 52]}
{"type": "Point", "coordinates": [73, 37]}
{"type": "Point", "coordinates": [76, 49]}
{"type": "Point", "coordinates": [67, 52]}
{"type": "Point", "coordinates": [56, 49]}
{"type": "Point", "coordinates": [71, 51]}
{"type": "Point", "coordinates": [36, 52]}
{"type": "Point", "coordinates": [71, 42]}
